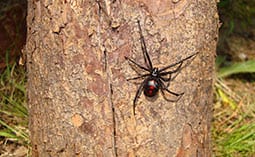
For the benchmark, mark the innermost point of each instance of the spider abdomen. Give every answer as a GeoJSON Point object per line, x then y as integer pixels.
{"type": "Point", "coordinates": [151, 88]}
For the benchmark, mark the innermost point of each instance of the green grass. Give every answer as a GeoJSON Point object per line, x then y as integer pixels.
{"type": "Point", "coordinates": [234, 136]}
{"type": "Point", "coordinates": [13, 111]}
{"type": "Point", "coordinates": [233, 132]}
{"type": "Point", "coordinates": [233, 129]}
{"type": "Point", "coordinates": [237, 68]}
{"type": "Point", "coordinates": [237, 142]}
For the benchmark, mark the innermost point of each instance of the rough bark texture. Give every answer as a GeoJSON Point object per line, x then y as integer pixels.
{"type": "Point", "coordinates": [80, 103]}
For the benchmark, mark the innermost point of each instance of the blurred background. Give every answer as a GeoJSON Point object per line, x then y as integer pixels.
{"type": "Point", "coordinates": [233, 127]}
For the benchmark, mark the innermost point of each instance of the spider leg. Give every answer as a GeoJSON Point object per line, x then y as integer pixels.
{"type": "Point", "coordinates": [176, 94]}
{"type": "Point", "coordinates": [170, 75]}
{"type": "Point", "coordinates": [166, 79]}
{"type": "Point", "coordinates": [163, 87]}
{"type": "Point", "coordinates": [173, 71]}
{"type": "Point", "coordinates": [130, 60]}
{"type": "Point", "coordinates": [138, 93]}
{"type": "Point", "coordinates": [180, 62]}
{"type": "Point", "coordinates": [141, 76]}
{"type": "Point", "coordinates": [144, 49]}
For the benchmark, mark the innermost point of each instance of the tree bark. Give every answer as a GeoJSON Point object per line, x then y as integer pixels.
{"type": "Point", "coordinates": [80, 103]}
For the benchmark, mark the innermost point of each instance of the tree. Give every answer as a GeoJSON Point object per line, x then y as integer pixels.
{"type": "Point", "coordinates": [80, 103]}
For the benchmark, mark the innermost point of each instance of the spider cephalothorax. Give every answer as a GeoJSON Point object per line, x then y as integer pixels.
{"type": "Point", "coordinates": [155, 79]}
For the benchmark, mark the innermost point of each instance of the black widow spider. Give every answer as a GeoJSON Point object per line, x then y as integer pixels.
{"type": "Point", "coordinates": [155, 78]}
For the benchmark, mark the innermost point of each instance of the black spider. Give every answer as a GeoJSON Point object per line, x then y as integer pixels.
{"type": "Point", "coordinates": [155, 78]}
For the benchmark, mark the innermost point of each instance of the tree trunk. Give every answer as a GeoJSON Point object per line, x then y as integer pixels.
{"type": "Point", "coordinates": [80, 102]}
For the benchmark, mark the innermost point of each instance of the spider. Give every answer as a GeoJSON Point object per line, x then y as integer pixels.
{"type": "Point", "coordinates": [155, 79]}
